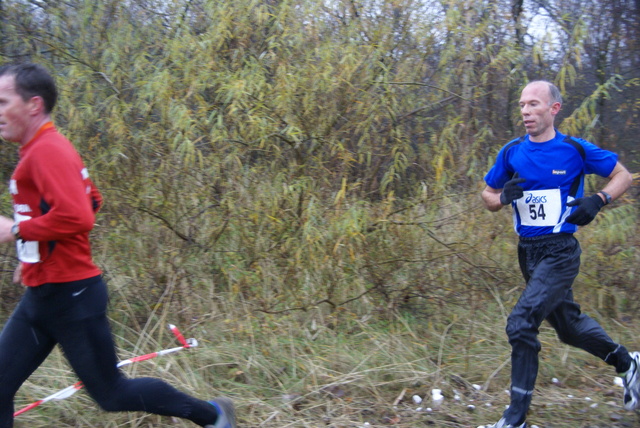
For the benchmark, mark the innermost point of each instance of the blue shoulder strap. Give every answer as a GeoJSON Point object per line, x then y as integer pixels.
{"type": "Point", "coordinates": [506, 149]}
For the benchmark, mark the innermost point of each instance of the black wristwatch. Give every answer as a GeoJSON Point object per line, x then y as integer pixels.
{"type": "Point", "coordinates": [607, 197]}
{"type": "Point", "coordinates": [15, 231]}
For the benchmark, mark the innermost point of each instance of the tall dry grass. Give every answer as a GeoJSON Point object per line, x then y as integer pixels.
{"type": "Point", "coordinates": [419, 303]}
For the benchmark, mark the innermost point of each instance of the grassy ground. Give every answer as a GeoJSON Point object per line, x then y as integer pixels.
{"type": "Point", "coordinates": [340, 370]}
{"type": "Point", "coordinates": [434, 320]}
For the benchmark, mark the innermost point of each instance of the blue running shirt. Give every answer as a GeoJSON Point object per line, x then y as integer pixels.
{"type": "Point", "coordinates": [550, 169]}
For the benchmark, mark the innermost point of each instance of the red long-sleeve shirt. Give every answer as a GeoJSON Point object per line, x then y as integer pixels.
{"type": "Point", "coordinates": [55, 203]}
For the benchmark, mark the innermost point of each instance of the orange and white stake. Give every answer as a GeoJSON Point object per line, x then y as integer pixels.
{"type": "Point", "coordinates": [70, 390]}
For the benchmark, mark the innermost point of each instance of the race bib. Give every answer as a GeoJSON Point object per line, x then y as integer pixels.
{"type": "Point", "coordinates": [540, 207]}
{"type": "Point", "coordinates": [28, 251]}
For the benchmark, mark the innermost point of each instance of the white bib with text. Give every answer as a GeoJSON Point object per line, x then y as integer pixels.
{"type": "Point", "coordinates": [540, 207]}
{"type": "Point", "coordinates": [28, 251]}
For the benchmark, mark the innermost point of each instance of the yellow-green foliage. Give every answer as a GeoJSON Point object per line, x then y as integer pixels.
{"type": "Point", "coordinates": [294, 156]}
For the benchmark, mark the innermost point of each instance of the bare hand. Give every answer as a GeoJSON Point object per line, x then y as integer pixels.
{"type": "Point", "coordinates": [6, 224]}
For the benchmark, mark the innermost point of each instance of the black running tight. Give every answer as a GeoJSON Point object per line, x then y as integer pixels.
{"type": "Point", "coordinates": [73, 315]}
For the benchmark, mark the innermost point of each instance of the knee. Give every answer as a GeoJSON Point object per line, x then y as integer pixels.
{"type": "Point", "coordinates": [7, 394]}
{"type": "Point", "coordinates": [6, 405]}
{"type": "Point", "coordinates": [108, 397]}
{"type": "Point", "coordinates": [565, 337]}
{"type": "Point", "coordinates": [109, 404]}
{"type": "Point", "coordinates": [574, 332]}
{"type": "Point", "coordinates": [514, 328]}
{"type": "Point", "coordinates": [522, 331]}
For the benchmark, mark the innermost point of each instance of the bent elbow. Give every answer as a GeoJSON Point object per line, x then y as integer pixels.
{"type": "Point", "coordinates": [491, 201]}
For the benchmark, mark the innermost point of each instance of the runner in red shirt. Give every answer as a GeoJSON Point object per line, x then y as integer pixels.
{"type": "Point", "coordinates": [65, 299]}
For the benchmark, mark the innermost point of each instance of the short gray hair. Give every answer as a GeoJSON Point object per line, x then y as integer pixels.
{"type": "Point", "coordinates": [554, 92]}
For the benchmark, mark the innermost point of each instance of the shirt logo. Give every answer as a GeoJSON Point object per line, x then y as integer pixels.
{"type": "Point", "coordinates": [13, 187]}
{"type": "Point", "coordinates": [559, 172]}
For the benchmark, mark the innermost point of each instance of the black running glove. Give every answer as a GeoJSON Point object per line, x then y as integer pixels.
{"type": "Point", "coordinates": [511, 191]}
{"type": "Point", "coordinates": [587, 210]}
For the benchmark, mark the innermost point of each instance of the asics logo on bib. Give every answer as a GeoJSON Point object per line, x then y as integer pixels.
{"type": "Point", "coordinates": [536, 199]}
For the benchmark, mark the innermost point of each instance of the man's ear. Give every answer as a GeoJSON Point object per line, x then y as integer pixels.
{"type": "Point", "coordinates": [36, 105]}
{"type": "Point", "coordinates": [555, 108]}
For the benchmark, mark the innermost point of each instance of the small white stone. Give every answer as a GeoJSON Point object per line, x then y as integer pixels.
{"type": "Point", "coordinates": [555, 380]}
{"type": "Point", "coordinates": [477, 387]}
{"type": "Point", "coordinates": [417, 399]}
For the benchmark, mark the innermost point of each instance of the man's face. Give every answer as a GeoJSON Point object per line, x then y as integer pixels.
{"type": "Point", "coordinates": [15, 114]}
{"type": "Point", "coordinates": [538, 113]}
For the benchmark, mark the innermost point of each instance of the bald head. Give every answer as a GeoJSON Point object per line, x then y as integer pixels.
{"type": "Point", "coordinates": [554, 93]}
{"type": "Point", "coordinates": [540, 102]}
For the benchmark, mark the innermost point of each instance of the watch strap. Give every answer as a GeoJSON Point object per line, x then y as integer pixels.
{"type": "Point", "coordinates": [15, 231]}
{"type": "Point", "coordinates": [607, 197]}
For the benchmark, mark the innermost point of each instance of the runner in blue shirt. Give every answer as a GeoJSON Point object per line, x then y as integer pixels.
{"type": "Point", "coordinates": [541, 176]}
